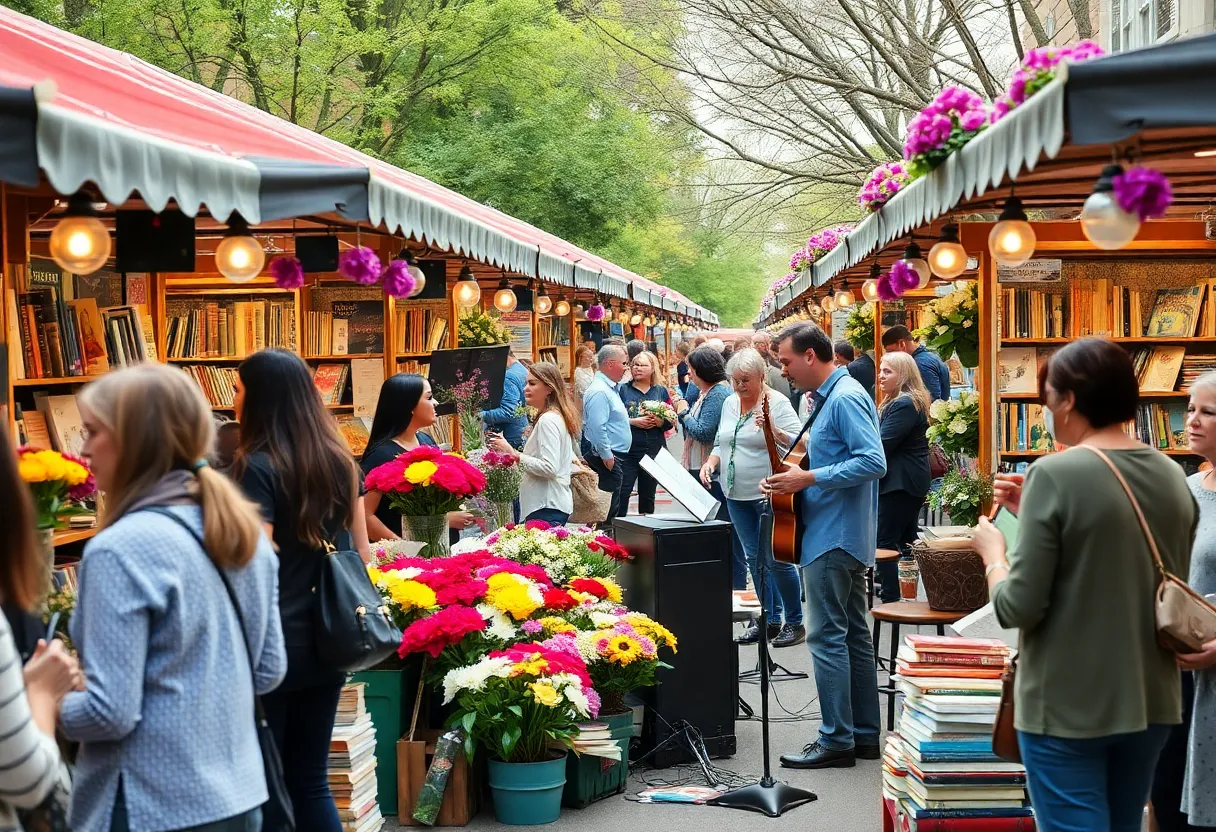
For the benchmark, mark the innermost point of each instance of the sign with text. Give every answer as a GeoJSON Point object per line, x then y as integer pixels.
{"type": "Point", "coordinates": [1032, 271]}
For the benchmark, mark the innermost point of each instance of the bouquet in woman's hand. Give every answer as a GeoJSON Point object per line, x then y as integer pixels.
{"type": "Point", "coordinates": [660, 410]}
{"type": "Point", "coordinates": [426, 482]}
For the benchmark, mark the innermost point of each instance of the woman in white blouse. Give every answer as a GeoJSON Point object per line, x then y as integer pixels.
{"type": "Point", "coordinates": [584, 370]}
{"type": "Point", "coordinates": [742, 455]}
{"type": "Point", "coordinates": [544, 492]}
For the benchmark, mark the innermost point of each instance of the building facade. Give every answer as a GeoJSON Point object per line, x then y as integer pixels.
{"type": "Point", "coordinates": [1120, 25]}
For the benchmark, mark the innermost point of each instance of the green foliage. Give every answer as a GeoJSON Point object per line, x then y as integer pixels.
{"type": "Point", "coordinates": [963, 495]}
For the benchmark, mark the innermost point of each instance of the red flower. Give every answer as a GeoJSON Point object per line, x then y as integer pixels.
{"type": "Point", "coordinates": [559, 599]}
{"type": "Point", "coordinates": [446, 627]}
{"type": "Point", "coordinates": [537, 525]}
{"type": "Point", "coordinates": [388, 477]}
{"type": "Point", "coordinates": [558, 662]}
{"type": "Point", "coordinates": [611, 548]}
{"type": "Point", "coordinates": [590, 586]}
{"type": "Point", "coordinates": [453, 587]}
{"type": "Point", "coordinates": [422, 452]}
{"type": "Point", "coordinates": [529, 571]}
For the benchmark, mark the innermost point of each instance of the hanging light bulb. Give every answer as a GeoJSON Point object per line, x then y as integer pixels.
{"type": "Point", "coordinates": [828, 304]}
{"type": "Point", "coordinates": [1105, 224]}
{"type": "Point", "coordinates": [636, 319]}
{"type": "Point", "coordinates": [418, 274]}
{"type": "Point", "coordinates": [579, 310]}
{"type": "Point", "coordinates": [648, 320]}
{"type": "Point", "coordinates": [916, 262]}
{"type": "Point", "coordinates": [869, 289]}
{"type": "Point", "coordinates": [948, 258]}
{"type": "Point", "coordinates": [1012, 240]}
{"type": "Point", "coordinates": [466, 292]}
{"type": "Point", "coordinates": [562, 308]}
{"type": "Point", "coordinates": [543, 302]}
{"type": "Point", "coordinates": [80, 243]}
{"type": "Point", "coordinates": [622, 317]}
{"type": "Point", "coordinates": [504, 298]}
{"type": "Point", "coordinates": [844, 298]}
{"type": "Point", "coordinates": [239, 256]}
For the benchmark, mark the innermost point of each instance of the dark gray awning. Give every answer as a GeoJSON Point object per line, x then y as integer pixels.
{"type": "Point", "coordinates": [295, 189]}
{"type": "Point", "coordinates": [1112, 98]}
{"type": "Point", "coordinates": [18, 137]}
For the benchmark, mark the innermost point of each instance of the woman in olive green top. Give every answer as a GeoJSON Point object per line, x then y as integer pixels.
{"type": "Point", "coordinates": [1095, 694]}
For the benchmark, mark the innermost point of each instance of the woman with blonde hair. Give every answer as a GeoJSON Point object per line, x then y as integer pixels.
{"type": "Point", "coordinates": [903, 419]}
{"type": "Point", "coordinates": [645, 384]}
{"type": "Point", "coordinates": [166, 717]}
{"type": "Point", "coordinates": [544, 492]}
{"type": "Point", "coordinates": [584, 370]}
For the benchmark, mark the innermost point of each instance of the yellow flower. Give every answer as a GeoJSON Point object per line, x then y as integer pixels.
{"type": "Point", "coordinates": [502, 580]}
{"type": "Point", "coordinates": [652, 629]}
{"type": "Point", "coordinates": [613, 588]}
{"type": "Point", "coordinates": [420, 473]}
{"type": "Point", "coordinates": [411, 594]}
{"type": "Point", "coordinates": [553, 624]}
{"type": "Point", "coordinates": [32, 469]}
{"type": "Point", "coordinates": [622, 650]}
{"type": "Point", "coordinates": [375, 574]}
{"type": "Point", "coordinates": [532, 667]}
{"type": "Point", "coordinates": [514, 600]}
{"type": "Point", "coordinates": [545, 694]}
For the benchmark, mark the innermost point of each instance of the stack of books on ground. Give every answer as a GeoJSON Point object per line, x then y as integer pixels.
{"type": "Point", "coordinates": [951, 779]}
{"type": "Point", "coordinates": [595, 739]}
{"type": "Point", "coordinates": [352, 763]}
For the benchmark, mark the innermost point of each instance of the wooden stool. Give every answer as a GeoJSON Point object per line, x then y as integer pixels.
{"type": "Point", "coordinates": [880, 556]}
{"type": "Point", "coordinates": [915, 613]}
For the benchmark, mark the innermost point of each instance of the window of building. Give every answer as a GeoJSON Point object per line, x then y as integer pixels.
{"type": "Point", "coordinates": [1137, 23]}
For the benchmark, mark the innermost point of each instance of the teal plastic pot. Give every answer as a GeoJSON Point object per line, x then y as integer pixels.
{"type": "Point", "coordinates": [527, 794]}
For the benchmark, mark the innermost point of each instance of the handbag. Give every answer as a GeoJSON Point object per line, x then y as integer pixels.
{"type": "Point", "coordinates": [353, 627]}
{"type": "Point", "coordinates": [1184, 618]}
{"type": "Point", "coordinates": [590, 504]}
{"type": "Point", "coordinates": [939, 463]}
{"type": "Point", "coordinates": [51, 815]}
{"type": "Point", "coordinates": [277, 812]}
{"type": "Point", "coordinates": [1004, 735]}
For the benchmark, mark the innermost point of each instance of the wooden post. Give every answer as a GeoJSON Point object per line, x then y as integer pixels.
{"type": "Point", "coordinates": [985, 376]}
{"type": "Point", "coordinates": [877, 347]}
{"type": "Point", "coordinates": [388, 250]}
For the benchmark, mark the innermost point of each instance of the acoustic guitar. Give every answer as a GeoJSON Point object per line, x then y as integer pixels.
{"type": "Point", "coordinates": [787, 518]}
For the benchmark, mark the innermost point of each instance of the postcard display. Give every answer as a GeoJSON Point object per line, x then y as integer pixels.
{"type": "Point", "coordinates": [1163, 312]}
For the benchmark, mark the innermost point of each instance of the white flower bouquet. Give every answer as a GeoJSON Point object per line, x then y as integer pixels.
{"type": "Point", "coordinates": [955, 425]}
{"type": "Point", "coordinates": [951, 325]}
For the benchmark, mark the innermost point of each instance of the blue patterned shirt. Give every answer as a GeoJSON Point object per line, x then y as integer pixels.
{"type": "Point", "coordinates": [840, 510]}
{"type": "Point", "coordinates": [168, 705]}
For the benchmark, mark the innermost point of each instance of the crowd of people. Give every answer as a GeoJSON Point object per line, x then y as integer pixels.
{"type": "Point", "coordinates": [187, 617]}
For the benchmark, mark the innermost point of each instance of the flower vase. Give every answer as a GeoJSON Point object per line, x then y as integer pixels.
{"type": "Point", "coordinates": [431, 530]}
{"type": "Point", "coordinates": [527, 794]}
{"type": "Point", "coordinates": [503, 513]}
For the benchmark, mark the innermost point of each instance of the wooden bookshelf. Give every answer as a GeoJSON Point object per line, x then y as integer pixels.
{"type": "Point", "coordinates": [1145, 341]}
{"type": "Point", "coordinates": [68, 536]}
{"type": "Point", "coordinates": [53, 382]}
{"type": "Point", "coordinates": [1154, 394]}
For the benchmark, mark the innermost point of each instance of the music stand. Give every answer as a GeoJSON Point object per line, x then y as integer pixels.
{"type": "Point", "coordinates": [769, 796]}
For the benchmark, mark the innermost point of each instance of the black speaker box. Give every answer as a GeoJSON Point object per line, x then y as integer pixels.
{"type": "Point", "coordinates": [150, 242]}
{"type": "Point", "coordinates": [681, 577]}
{"type": "Point", "coordinates": [317, 254]}
{"type": "Point", "coordinates": [436, 272]}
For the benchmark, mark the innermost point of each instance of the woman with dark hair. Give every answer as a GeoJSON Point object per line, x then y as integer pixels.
{"type": "Point", "coordinates": [405, 409]}
{"type": "Point", "coordinates": [1096, 695]}
{"type": "Point", "coordinates": [29, 756]}
{"type": "Point", "coordinates": [293, 463]}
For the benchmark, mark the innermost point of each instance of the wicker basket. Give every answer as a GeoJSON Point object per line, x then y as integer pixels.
{"type": "Point", "coordinates": [954, 578]}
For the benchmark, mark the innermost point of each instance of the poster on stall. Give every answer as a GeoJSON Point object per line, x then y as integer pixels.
{"type": "Point", "coordinates": [519, 324]}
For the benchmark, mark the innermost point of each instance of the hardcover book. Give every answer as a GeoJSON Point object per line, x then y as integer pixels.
{"type": "Point", "coordinates": [365, 325]}
{"type": "Point", "coordinates": [1176, 312]}
{"type": "Point", "coordinates": [1018, 370]}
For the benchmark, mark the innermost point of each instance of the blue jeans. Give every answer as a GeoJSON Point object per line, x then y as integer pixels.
{"type": "Point", "coordinates": [550, 515]}
{"type": "Point", "coordinates": [1099, 783]}
{"type": "Point", "coordinates": [842, 653]}
{"type": "Point", "coordinates": [782, 597]}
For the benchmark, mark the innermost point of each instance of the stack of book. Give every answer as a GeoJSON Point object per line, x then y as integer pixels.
{"type": "Point", "coordinates": [595, 739]}
{"type": "Point", "coordinates": [218, 383]}
{"type": "Point", "coordinates": [951, 780]}
{"type": "Point", "coordinates": [1163, 426]}
{"type": "Point", "coordinates": [420, 328]}
{"type": "Point", "coordinates": [1032, 313]}
{"type": "Point", "coordinates": [1193, 366]}
{"type": "Point", "coordinates": [214, 329]}
{"type": "Point", "coordinates": [352, 763]}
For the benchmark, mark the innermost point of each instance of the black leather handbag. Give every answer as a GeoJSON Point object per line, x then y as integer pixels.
{"type": "Point", "coordinates": [277, 812]}
{"type": "Point", "coordinates": [353, 627]}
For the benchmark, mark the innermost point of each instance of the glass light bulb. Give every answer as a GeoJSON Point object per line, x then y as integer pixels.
{"type": "Point", "coordinates": [635, 320]}
{"type": "Point", "coordinates": [844, 299]}
{"type": "Point", "coordinates": [828, 304]}
{"type": "Point", "coordinates": [561, 309]}
{"type": "Point", "coordinates": [1011, 242]}
{"type": "Point", "coordinates": [467, 293]}
{"type": "Point", "coordinates": [240, 258]}
{"type": "Point", "coordinates": [869, 290]}
{"type": "Point", "coordinates": [419, 280]}
{"type": "Point", "coordinates": [543, 304]}
{"type": "Point", "coordinates": [947, 260]}
{"type": "Point", "coordinates": [1107, 225]}
{"type": "Point", "coordinates": [504, 300]}
{"type": "Point", "coordinates": [918, 265]}
{"type": "Point", "coordinates": [80, 245]}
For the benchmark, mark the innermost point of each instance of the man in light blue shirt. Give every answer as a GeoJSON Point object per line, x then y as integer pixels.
{"type": "Point", "coordinates": [839, 509]}
{"type": "Point", "coordinates": [507, 417]}
{"type": "Point", "coordinates": [606, 434]}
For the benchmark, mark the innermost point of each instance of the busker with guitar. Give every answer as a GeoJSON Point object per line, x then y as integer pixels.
{"type": "Point", "coordinates": [837, 488]}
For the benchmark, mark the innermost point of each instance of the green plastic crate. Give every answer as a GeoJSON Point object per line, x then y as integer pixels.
{"type": "Point", "coordinates": [588, 778]}
{"type": "Point", "coordinates": [389, 695]}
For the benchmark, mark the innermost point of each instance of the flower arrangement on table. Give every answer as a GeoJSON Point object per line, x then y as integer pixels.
{"type": "Point", "coordinates": [884, 182]}
{"type": "Point", "coordinates": [503, 475]}
{"type": "Point", "coordinates": [58, 482]}
{"type": "Point", "coordinates": [561, 552]}
{"type": "Point", "coordinates": [424, 485]}
{"type": "Point", "coordinates": [468, 395]}
{"type": "Point", "coordinates": [859, 328]}
{"type": "Point", "coordinates": [963, 495]}
{"type": "Point", "coordinates": [952, 119]}
{"type": "Point", "coordinates": [1038, 68]}
{"type": "Point", "coordinates": [480, 329]}
{"type": "Point", "coordinates": [951, 325]}
{"type": "Point", "coordinates": [955, 425]}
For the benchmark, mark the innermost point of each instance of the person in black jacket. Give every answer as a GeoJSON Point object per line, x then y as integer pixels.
{"type": "Point", "coordinates": [902, 420]}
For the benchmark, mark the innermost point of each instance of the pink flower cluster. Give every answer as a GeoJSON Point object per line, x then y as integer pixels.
{"type": "Point", "coordinates": [893, 284]}
{"type": "Point", "coordinates": [884, 182]}
{"type": "Point", "coordinates": [954, 109]}
{"type": "Point", "coordinates": [1038, 67]}
{"type": "Point", "coordinates": [1144, 192]}
{"type": "Point", "coordinates": [821, 242]}
{"type": "Point", "coordinates": [799, 260]}
{"type": "Point", "coordinates": [595, 312]}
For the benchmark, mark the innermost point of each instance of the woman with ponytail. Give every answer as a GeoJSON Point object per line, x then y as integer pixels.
{"type": "Point", "coordinates": [293, 463]}
{"type": "Point", "coordinates": [165, 718]}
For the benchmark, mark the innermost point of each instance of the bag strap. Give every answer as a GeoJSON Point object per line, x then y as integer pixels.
{"type": "Point", "coordinates": [1148, 534]}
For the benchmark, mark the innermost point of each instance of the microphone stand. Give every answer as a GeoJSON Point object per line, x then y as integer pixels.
{"type": "Point", "coordinates": [769, 796]}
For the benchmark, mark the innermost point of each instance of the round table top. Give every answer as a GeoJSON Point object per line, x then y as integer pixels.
{"type": "Point", "coordinates": [881, 555]}
{"type": "Point", "coordinates": [914, 612]}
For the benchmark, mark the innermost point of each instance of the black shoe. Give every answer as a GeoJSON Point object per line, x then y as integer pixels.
{"type": "Point", "coordinates": [751, 634]}
{"type": "Point", "coordinates": [790, 635]}
{"type": "Point", "coordinates": [868, 752]}
{"type": "Point", "coordinates": [816, 756]}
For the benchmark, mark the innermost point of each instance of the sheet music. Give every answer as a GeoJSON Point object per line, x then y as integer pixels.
{"type": "Point", "coordinates": [683, 488]}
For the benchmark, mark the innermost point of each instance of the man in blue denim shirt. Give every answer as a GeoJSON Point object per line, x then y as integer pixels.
{"type": "Point", "coordinates": [507, 417]}
{"type": "Point", "coordinates": [933, 371]}
{"type": "Point", "coordinates": [839, 508]}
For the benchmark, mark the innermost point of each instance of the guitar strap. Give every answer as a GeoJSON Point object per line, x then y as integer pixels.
{"type": "Point", "coordinates": [814, 415]}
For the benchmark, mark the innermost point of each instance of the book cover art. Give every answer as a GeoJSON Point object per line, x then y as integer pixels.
{"type": "Point", "coordinates": [341, 335]}
{"type": "Point", "coordinates": [1018, 370]}
{"type": "Point", "coordinates": [92, 335]}
{"type": "Point", "coordinates": [367, 377]}
{"type": "Point", "coordinates": [1161, 374]}
{"type": "Point", "coordinates": [354, 431]}
{"type": "Point", "coordinates": [105, 287]}
{"type": "Point", "coordinates": [326, 380]}
{"type": "Point", "coordinates": [365, 325]}
{"type": "Point", "coordinates": [66, 426]}
{"type": "Point", "coordinates": [1175, 312]}
{"type": "Point", "coordinates": [1176, 416]}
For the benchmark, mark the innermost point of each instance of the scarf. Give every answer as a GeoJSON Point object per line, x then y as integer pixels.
{"type": "Point", "coordinates": [176, 488]}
